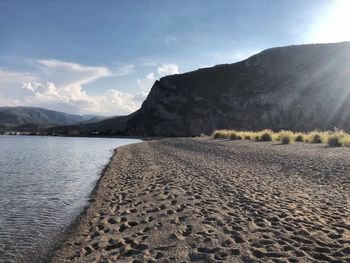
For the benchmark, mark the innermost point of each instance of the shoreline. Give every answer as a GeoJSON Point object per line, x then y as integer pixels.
{"type": "Point", "coordinates": [72, 227]}
{"type": "Point", "coordinates": [186, 200]}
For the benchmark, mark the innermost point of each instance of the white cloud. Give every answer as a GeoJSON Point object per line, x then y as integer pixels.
{"type": "Point", "coordinates": [10, 76]}
{"type": "Point", "coordinates": [74, 98]}
{"type": "Point", "coordinates": [58, 85]}
{"type": "Point", "coordinates": [65, 74]}
{"type": "Point", "coordinates": [145, 84]}
{"type": "Point", "coordinates": [123, 70]}
{"type": "Point", "coordinates": [125, 102]}
{"type": "Point", "coordinates": [148, 64]}
{"type": "Point", "coordinates": [168, 69]}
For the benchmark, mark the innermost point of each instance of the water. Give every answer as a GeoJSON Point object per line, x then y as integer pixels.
{"type": "Point", "coordinates": [45, 182]}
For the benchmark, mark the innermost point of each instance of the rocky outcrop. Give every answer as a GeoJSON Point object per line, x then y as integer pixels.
{"type": "Point", "coordinates": [296, 87]}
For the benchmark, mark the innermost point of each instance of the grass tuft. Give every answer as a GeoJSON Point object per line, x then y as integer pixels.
{"type": "Point", "coordinates": [285, 139]}
{"type": "Point", "coordinates": [335, 138]}
{"type": "Point", "coordinates": [316, 138]}
{"type": "Point", "coordinates": [299, 138]}
{"type": "Point", "coordinates": [234, 136]}
{"type": "Point", "coordinates": [266, 136]}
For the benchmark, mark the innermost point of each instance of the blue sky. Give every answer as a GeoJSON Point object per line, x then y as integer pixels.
{"type": "Point", "coordinates": [102, 57]}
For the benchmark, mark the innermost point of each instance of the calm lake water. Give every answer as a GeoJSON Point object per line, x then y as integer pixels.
{"type": "Point", "coordinates": [45, 182]}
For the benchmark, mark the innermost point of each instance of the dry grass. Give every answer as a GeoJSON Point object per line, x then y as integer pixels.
{"type": "Point", "coordinates": [335, 138]}
{"type": "Point", "coordinates": [338, 138]}
{"type": "Point", "coordinates": [266, 136]}
{"type": "Point", "coordinates": [285, 137]}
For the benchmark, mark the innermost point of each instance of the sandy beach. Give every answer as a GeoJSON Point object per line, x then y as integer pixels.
{"type": "Point", "coordinates": [201, 200]}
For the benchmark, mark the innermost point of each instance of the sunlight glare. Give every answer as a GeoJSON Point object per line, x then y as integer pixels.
{"type": "Point", "coordinates": [333, 24]}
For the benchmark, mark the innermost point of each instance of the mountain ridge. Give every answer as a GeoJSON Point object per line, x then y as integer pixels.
{"type": "Point", "coordinates": [31, 119]}
{"type": "Point", "coordinates": [298, 87]}
{"type": "Point", "coordinates": [294, 87]}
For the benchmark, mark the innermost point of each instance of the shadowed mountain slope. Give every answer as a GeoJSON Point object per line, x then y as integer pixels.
{"type": "Point", "coordinates": [32, 119]}
{"type": "Point", "coordinates": [110, 126]}
{"type": "Point", "coordinates": [296, 87]}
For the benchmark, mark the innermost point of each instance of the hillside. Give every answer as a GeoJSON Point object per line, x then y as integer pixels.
{"type": "Point", "coordinates": [296, 87]}
{"type": "Point", "coordinates": [109, 126]}
{"type": "Point", "coordinates": [34, 119]}
{"type": "Point", "coordinates": [301, 87]}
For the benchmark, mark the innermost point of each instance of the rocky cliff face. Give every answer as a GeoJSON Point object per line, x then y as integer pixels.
{"type": "Point", "coordinates": [297, 87]}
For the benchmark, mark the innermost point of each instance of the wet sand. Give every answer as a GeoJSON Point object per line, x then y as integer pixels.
{"type": "Point", "coordinates": [199, 200]}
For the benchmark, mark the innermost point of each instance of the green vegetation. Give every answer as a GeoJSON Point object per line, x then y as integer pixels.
{"type": "Point", "coordinates": [334, 141]}
{"type": "Point", "coordinates": [299, 138]}
{"type": "Point", "coordinates": [338, 138]}
{"type": "Point", "coordinates": [247, 137]}
{"type": "Point", "coordinates": [285, 139]}
{"type": "Point", "coordinates": [234, 136]}
{"type": "Point", "coordinates": [266, 136]}
{"type": "Point", "coordinates": [335, 138]}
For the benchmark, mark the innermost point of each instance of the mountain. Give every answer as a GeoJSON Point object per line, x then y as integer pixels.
{"type": "Point", "coordinates": [109, 126]}
{"type": "Point", "coordinates": [296, 87]}
{"type": "Point", "coordinates": [301, 87]}
{"type": "Point", "coordinates": [35, 119]}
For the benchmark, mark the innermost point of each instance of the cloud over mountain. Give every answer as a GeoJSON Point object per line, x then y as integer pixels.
{"type": "Point", "coordinates": [59, 85]}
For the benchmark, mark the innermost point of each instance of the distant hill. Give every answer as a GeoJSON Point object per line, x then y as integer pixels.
{"type": "Point", "coordinates": [35, 119]}
{"type": "Point", "coordinates": [300, 87]}
{"type": "Point", "coordinates": [109, 126]}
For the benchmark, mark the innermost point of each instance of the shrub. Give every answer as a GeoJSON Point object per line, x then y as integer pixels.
{"type": "Point", "coordinates": [299, 138]}
{"type": "Point", "coordinates": [316, 138]}
{"type": "Point", "coordinates": [224, 134]}
{"type": "Point", "coordinates": [233, 136]}
{"type": "Point", "coordinates": [278, 135]}
{"type": "Point", "coordinates": [266, 136]}
{"type": "Point", "coordinates": [338, 138]}
{"type": "Point", "coordinates": [217, 135]}
{"type": "Point", "coordinates": [334, 140]}
{"type": "Point", "coordinates": [285, 139]}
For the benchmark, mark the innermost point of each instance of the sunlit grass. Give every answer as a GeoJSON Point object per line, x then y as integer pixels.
{"type": "Point", "coordinates": [338, 138]}
{"type": "Point", "coordinates": [335, 138]}
{"type": "Point", "coordinates": [266, 136]}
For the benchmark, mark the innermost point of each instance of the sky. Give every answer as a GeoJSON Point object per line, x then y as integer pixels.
{"type": "Point", "coordinates": [102, 57]}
